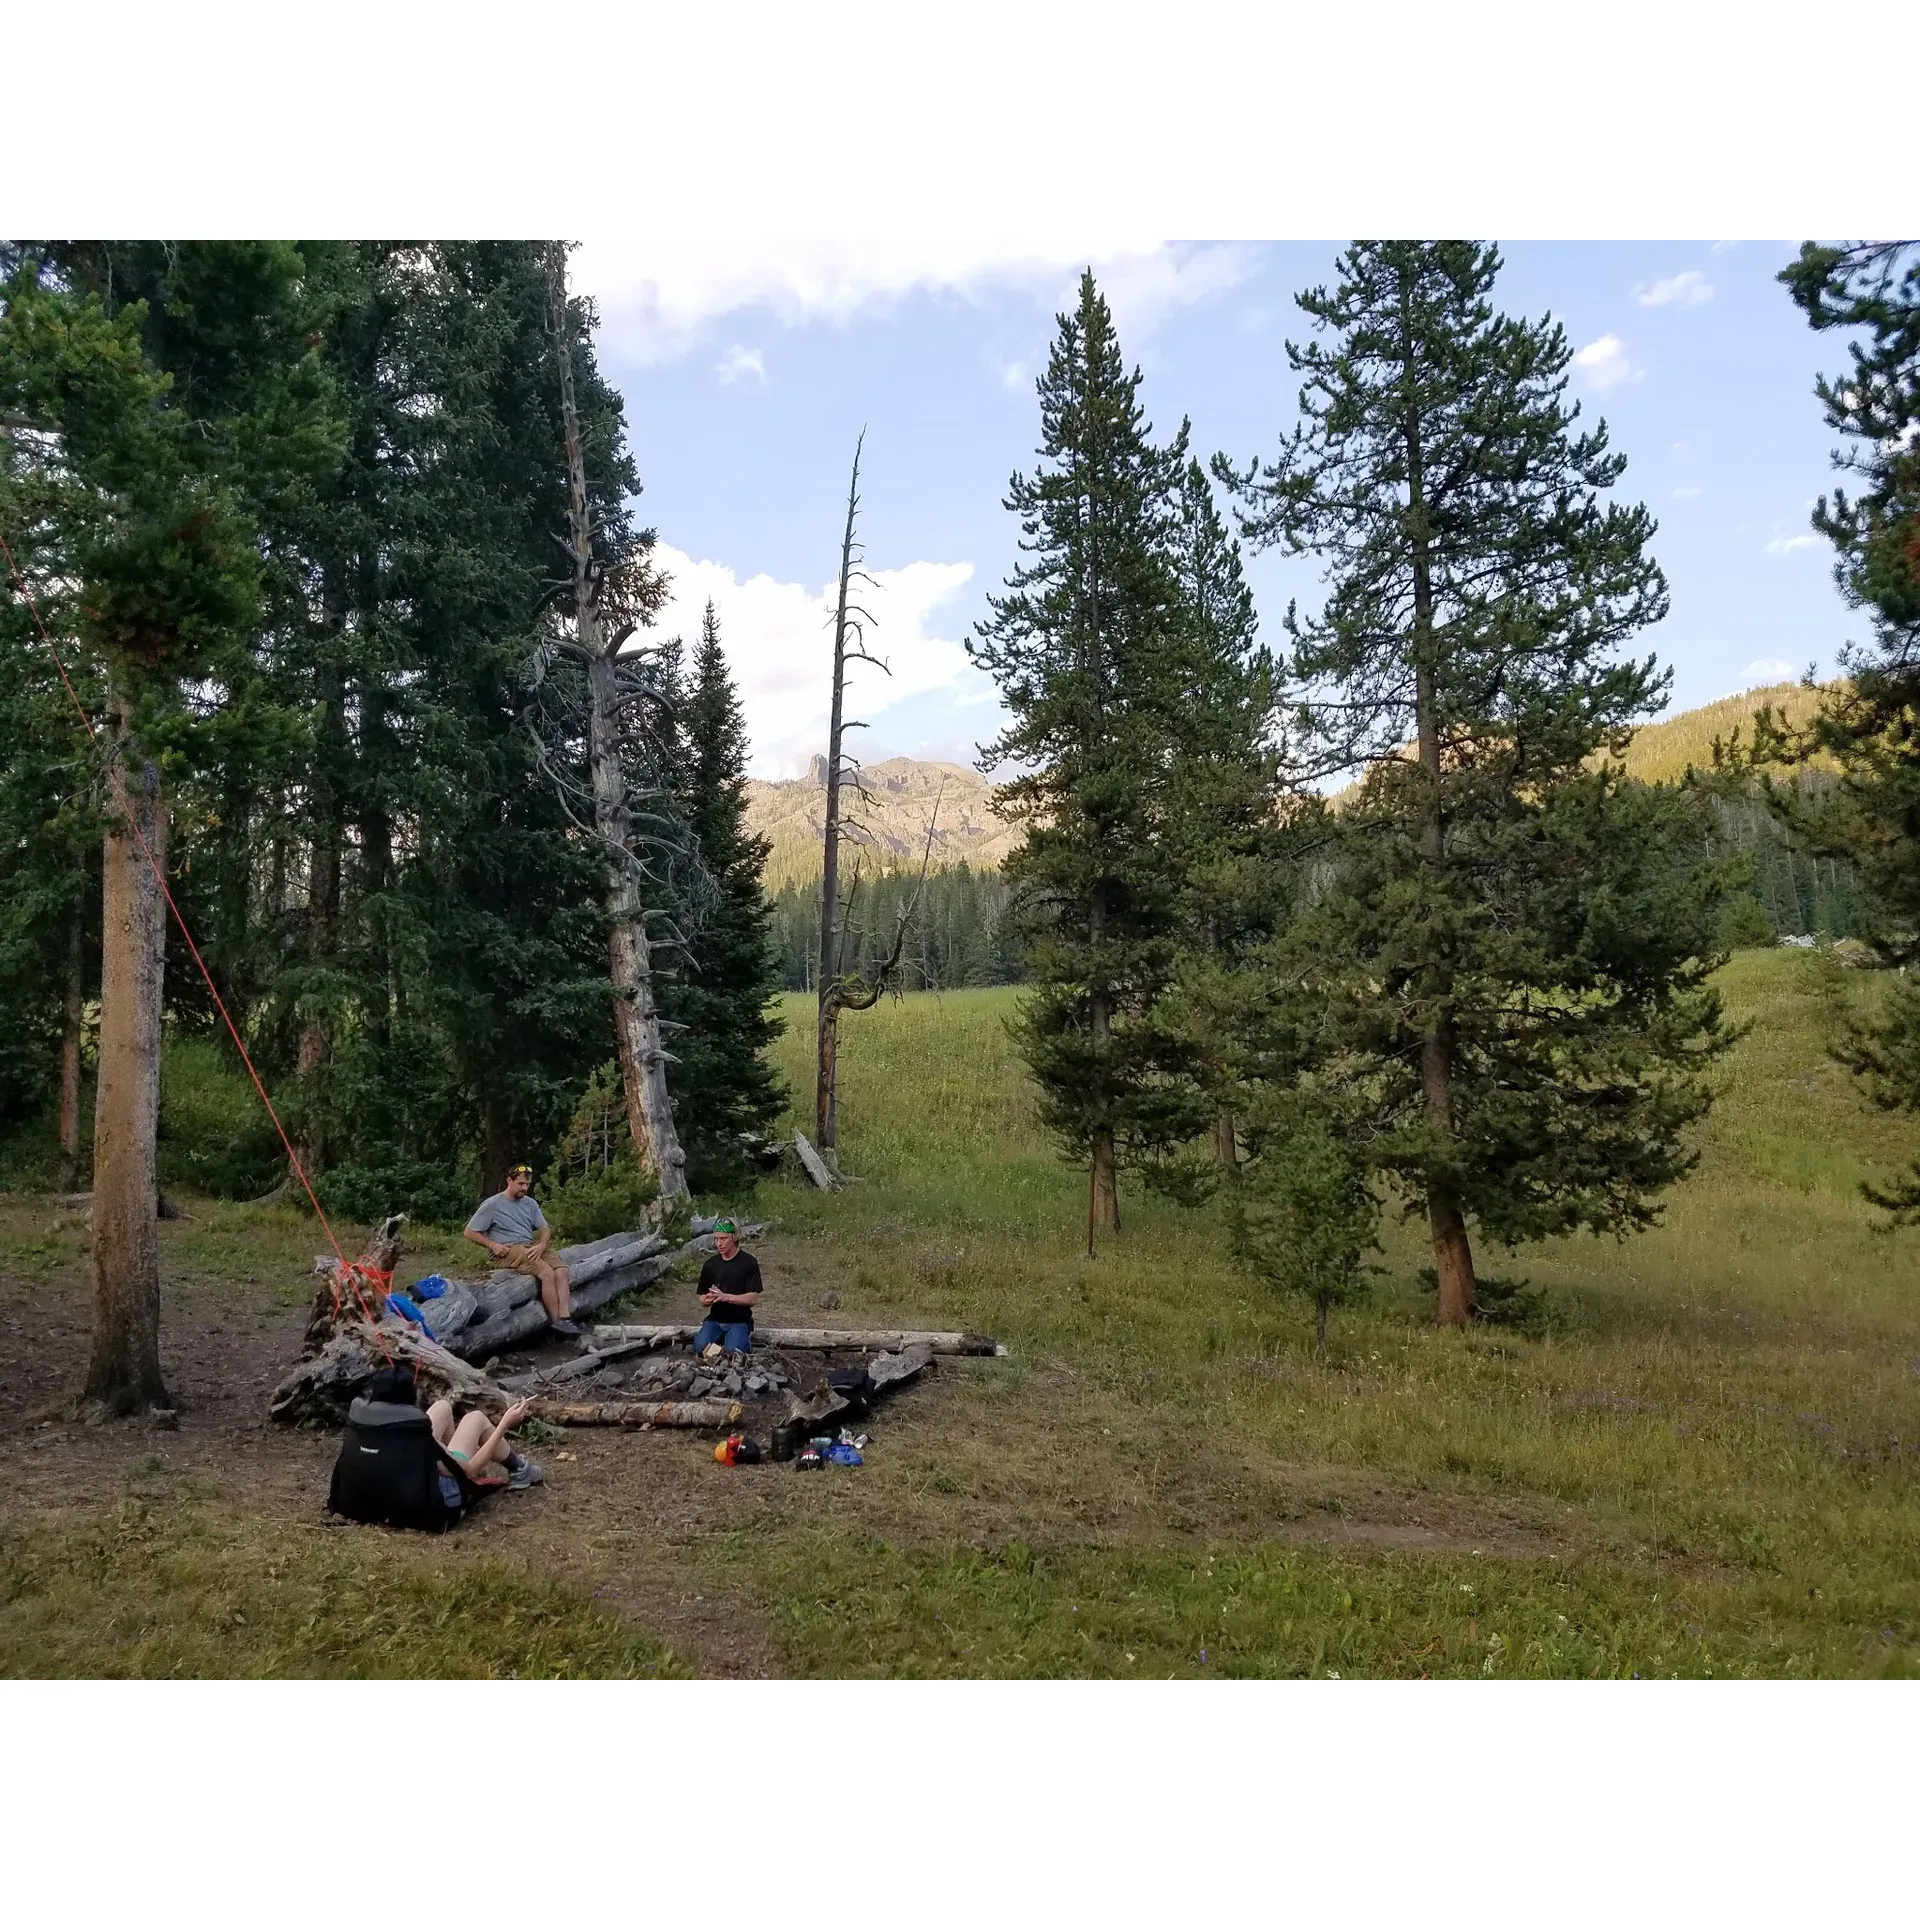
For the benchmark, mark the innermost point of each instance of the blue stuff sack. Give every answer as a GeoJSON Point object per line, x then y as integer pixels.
{"type": "Point", "coordinates": [400, 1304]}
{"type": "Point", "coordinates": [841, 1455]}
{"type": "Point", "coordinates": [431, 1288]}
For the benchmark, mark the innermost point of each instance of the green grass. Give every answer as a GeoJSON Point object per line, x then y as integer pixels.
{"type": "Point", "coordinates": [1717, 1436]}
{"type": "Point", "coordinates": [1704, 1465]}
{"type": "Point", "coordinates": [167, 1584]}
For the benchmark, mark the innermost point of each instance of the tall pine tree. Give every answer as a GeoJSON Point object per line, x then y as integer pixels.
{"type": "Point", "coordinates": [1513, 949]}
{"type": "Point", "coordinates": [1870, 721]}
{"type": "Point", "coordinates": [719, 996]}
{"type": "Point", "coordinates": [1094, 651]}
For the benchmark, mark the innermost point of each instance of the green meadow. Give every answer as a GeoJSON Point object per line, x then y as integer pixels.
{"type": "Point", "coordinates": [1704, 1460]}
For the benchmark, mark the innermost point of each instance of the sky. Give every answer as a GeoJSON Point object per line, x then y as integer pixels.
{"type": "Point", "coordinates": [749, 373]}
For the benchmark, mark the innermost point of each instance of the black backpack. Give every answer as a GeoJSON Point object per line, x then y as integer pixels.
{"type": "Point", "coordinates": [389, 1470]}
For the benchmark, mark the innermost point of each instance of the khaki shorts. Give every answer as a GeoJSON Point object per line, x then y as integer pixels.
{"type": "Point", "coordinates": [523, 1259]}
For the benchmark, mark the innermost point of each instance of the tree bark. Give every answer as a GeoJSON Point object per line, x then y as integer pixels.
{"type": "Point", "coordinates": [123, 1371]}
{"type": "Point", "coordinates": [1452, 1252]}
{"type": "Point", "coordinates": [1103, 1190]}
{"type": "Point", "coordinates": [1452, 1259]}
{"type": "Point", "coordinates": [1225, 1152]}
{"type": "Point", "coordinates": [70, 1012]}
{"type": "Point", "coordinates": [636, 1018]}
{"type": "Point", "coordinates": [323, 896]}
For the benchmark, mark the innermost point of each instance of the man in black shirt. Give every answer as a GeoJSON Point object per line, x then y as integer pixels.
{"type": "Point", "coordinates": [729, 1286]}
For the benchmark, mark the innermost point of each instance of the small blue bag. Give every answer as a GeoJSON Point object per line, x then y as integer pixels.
{"type": "Point", "coordinates": [431, 1288]}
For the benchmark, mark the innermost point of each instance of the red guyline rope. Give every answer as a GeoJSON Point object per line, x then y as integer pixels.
{"type": "Point", "coordinates": [350, 1268]}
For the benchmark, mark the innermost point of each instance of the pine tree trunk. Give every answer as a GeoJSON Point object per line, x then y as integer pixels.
{"type": "Point", "coordinates": [1320, 1326]}
{"type": "Point", "coordinates": [1452, 1259]}
{"type": "Point", "coordinates": [636, 1017]}
{"type": "Point", "coordinates": [826, 1109]}
{"type": "Point", "coordinates": [1452, 1252]}
{"type": "Point", "coordinates": [323, 896]}
{"type": "Point", "coordinates": [1103, 1190]}
{"type": "Point", "coordinates": [1225, 1152]}
{"type": "Point", "coordinates": [70, 1012]}
{"type": "Point", "coordinates": [123, 1372]}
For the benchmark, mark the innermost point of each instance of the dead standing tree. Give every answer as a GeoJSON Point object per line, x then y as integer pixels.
{"type": "Point", "coordinates": [619, 707]}
{"type": "Point", "coordinates": [841, 991]}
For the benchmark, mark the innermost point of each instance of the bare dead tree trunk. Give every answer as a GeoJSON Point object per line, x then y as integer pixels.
{"type": "Point", "coordinates": [825, 1103]}
{"type": "Point", "coordinates": [643, 1070]}
{"type": "Point", "coordinates": [70, 1012]}
{"type": "Point", "coordinates": [1225, 1150]}
{"type": "Point", "coordinates": [1452, 1252]}
{"type": "Point", "coordinates": [123, 1371]}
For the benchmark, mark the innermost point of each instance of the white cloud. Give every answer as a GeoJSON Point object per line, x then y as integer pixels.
{"type": "Point", "coordinates": [655, 297]}
{"type": "Point", "coordinates": [1688, 493]}
{"type": "Point", "coordinates": [1014, 374]}
{"type": "Point", "coordinates": [1689, 289]}
{"type": "Point", "coordinates": [1605, 362]}
{"type": "Point", "coordinates": [1792, 543]}
{"type": "Point", "coordinates": [742, 363]}
{"type": "Point", "coordinates": [1767, 673]}
{"type": "Point", "coordinates": [779, 641]}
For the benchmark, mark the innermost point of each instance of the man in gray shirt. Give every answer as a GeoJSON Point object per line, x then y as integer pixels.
{"type": "Point", "coordinates": [515, 1233]}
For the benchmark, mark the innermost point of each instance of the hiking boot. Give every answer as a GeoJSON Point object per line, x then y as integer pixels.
{"type": "Point", "coordinates": [522, 1472]}
{"type": "Point", "coordinates": [566, 1329]}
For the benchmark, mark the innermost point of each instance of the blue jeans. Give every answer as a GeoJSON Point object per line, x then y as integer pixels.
{"type": "Point", "coordinates": [730, 1334]}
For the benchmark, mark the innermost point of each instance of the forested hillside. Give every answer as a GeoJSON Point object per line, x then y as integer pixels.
{"type": "Point", "coordinates": [899, 804]}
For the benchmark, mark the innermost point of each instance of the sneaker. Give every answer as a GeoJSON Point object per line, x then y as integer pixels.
{"type": "Point", "coordinates": [566, 1329]}
{"type": "Point", "coordinates": [522, 1472]}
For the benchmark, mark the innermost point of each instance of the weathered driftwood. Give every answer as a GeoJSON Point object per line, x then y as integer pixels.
{"type": "Point", "coordinates": [821, 1339]}
{"type": "Point", "coordinates": [816, 1167]}
{"type": "Point", "coordinates": [324, 1385]}
{"type": "Point", "coordinates": [890, 1370]}
{"type": "Point", "coordinates": [583, 1265]}
{"type": "Point", "coordinates": [639, 1413]}
{"type": "Point", "coordinates": [501, 1291]}
{"type": "Point", "coordinates": [489, 1336]}
{"type": "Point", "coordinates": [334, 1298]}
{"type": "Point", "coordinates": [608, 1288]}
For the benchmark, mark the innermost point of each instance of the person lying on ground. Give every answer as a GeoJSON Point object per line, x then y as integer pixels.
{"type": "Point", "coordinates": [481, 1446]}
{"type": "Point", "coordinates": [510, 1225]}
{"type": "Point", "coordinates": [729, 1286]}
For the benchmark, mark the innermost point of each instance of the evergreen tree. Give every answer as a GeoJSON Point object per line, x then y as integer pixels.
{"type": "Point", "coordinates": [1870, 721]}
{"type": "Point", "coordinates": [1094, 653]}
{"type": "Point", "coordinates": [142, 418]}
{"type": "Point", "coordinates": [1223, 821]}
{"type": "Point", "coordinates": [1513, 948]}
{"type": "Point", "coordinates": [724, 1089]}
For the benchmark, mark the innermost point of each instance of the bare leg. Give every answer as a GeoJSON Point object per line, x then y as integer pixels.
{"type": "Point", "coordinates": [440, 1418]}
{"type": "Point", "coordinates": [474, 1439]}
{"type": "Point", "coordinates": [555, 1292]}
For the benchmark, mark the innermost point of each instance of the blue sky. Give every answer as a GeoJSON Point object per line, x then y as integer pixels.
{"type": "Point", "coordinates": [748, 375]}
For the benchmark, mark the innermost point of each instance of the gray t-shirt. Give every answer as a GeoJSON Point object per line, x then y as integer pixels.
{"type": "Point", "coordinates": [512, 1222]}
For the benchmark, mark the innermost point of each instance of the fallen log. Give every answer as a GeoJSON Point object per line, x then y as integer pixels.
{"type": "Point", "coordinates": [483, 1337]}
{"type": "Point", "coordinates": [583, 1265]}
{"type": "Point", "coordinates": [890, 1370]}
{"type": "Point", "coordinates": [334, 1299]}
{"type": "Point", "coordinates": [816, 1167]}
{"type": "Point", "coordinates": [639, 1413]}
{"type": "Point", "coordinates": [325, 1384]}
{"type": "Point", "coordinates": [610, 1286]}
{"type": "Point", "coordinates": [501, 1291]}
{"type": "Point", "coordinates": [823, 1339]}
